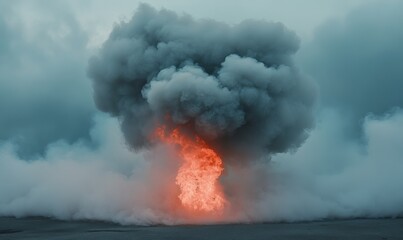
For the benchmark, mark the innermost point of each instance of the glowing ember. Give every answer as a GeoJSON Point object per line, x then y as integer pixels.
{"type": "Point", "coordinates": [198, 176]}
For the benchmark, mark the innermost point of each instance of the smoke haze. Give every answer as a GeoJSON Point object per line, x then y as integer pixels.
{"type": "Point", "coordinates": [44, 93]}
{"type": "Point", "coordinates": [59, 158]}
{"type": "Point", "coordinates": [361, 62]}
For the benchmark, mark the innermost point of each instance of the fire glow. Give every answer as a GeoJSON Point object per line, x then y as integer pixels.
{"type": "Point", "coordinates": [198, 175]}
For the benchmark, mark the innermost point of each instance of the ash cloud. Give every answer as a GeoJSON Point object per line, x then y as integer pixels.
{"type": "Point", "coordinates": [235, 86]}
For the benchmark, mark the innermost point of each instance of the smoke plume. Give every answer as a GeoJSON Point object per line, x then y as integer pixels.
{"type": "Point", "coordinates": [234, 86]}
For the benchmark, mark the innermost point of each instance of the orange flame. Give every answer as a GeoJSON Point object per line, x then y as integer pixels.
{"type": "Point", "coordinates": [198, 175]}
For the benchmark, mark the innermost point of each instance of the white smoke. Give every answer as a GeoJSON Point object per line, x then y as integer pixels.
{"type": "Point", "coordinates": [334, 177]}
{"type": "Point", "coordinates": [329, 177]}
{"type": "Point", "coordinates": [108, 182]}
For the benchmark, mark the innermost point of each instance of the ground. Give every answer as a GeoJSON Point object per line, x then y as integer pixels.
{"type": "Point", "coordinates": [42, 228]}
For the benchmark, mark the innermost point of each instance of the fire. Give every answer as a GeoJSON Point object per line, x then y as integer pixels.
{"type": "Point", "coordinates": [198, 175]}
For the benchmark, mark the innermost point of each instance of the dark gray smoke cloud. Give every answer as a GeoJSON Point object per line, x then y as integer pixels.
{"type": "Point", "coordinates": [235, 86]}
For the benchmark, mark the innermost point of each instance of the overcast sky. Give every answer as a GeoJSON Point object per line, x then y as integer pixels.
{"type": "Point", "coordinates": [301, 16]}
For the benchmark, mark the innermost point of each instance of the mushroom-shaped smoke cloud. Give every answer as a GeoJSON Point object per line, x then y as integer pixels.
{"type": "Point", "coordinates": [234, 86]}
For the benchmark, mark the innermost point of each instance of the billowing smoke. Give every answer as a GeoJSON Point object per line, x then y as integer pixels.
{"type": "Point", "coordinates": [234, 86]}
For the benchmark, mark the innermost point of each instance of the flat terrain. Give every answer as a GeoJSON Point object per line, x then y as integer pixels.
{"type": "Point", "coordinates": [42, 228]}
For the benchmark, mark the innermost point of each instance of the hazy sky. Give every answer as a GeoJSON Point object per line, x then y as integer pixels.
{"type": "Point", "coordinates": [99, 16]}
{"type": "Point", "coordinates": [301, 16]}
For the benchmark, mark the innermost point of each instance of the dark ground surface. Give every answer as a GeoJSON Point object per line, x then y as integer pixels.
{"type": "Point", "coordinates": [42, 228]}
